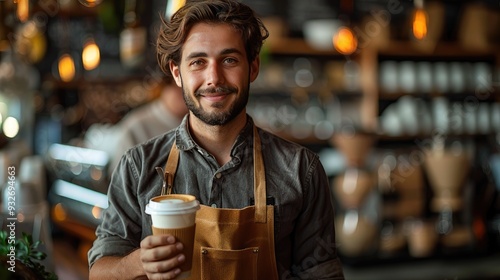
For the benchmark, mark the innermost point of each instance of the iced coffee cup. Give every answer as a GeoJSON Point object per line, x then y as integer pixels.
{"type": "Point", "coordinates": [175, 214]}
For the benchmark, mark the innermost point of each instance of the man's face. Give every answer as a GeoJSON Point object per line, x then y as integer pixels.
{"type": "Point", "coordinates": [214, 73]}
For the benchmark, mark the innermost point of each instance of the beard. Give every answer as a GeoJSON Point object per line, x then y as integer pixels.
{"type": "Point", "coordinates": [221, 117]}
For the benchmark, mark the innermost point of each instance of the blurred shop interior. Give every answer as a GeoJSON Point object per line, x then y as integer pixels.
{"type": "Point", "coordinates": [399, 98]}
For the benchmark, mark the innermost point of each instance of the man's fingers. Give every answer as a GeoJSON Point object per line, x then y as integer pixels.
{"type": "Point", "coordinates": [160, 253]}
{"type": "Point", "coordinates": [165, 265]}
{"type": "Point", "coordinates": [157, 240]}
{"type": "Point", "coordinates": [161, 256]}
{"type": "Point", "coordinates": [165, 276]}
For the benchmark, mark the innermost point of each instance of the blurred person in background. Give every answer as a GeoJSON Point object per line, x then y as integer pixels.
{"type": "Point", "coordinates": [150, 120]}
{"type": "Point", "coordinates": [141, 124]}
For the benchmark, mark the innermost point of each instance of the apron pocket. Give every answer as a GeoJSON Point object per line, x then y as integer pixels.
{"type": "Point", "coordinates": [219, 264]}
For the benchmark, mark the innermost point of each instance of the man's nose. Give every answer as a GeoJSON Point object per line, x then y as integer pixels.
{"type": "Point", "coordinates": [214, 74]}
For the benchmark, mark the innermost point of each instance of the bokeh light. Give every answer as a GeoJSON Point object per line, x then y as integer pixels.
{"type": "Point", "coordinates": [173, 6]}
{"type": "Point", "coordinates": [11, 127]}
{"type": "Point", "coordinates": [345, 41]}
{"type": "Point", "coordinates": [59, 213]}
{"type": "Point", "coordinates": [23, 10]}
{"type": "Point", "coordinates": [66, 67]}
{"type": "Point", "coordinates": [90, 3]}
{"type": "Point", "coordinates": [420, 24]}
{"type": "Point", "coordinates": [91, 55]}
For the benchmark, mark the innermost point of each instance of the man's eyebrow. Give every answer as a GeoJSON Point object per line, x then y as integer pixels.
{"type": "Point", "coordinates": [223, 52]}
{"type": "Point", "coordinates": [230, 51]}
{"type": "Point", "coordinates": [196, 54]}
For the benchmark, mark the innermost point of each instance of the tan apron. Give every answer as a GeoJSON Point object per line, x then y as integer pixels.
{"type": "Point", "coordinates": [233, 243]}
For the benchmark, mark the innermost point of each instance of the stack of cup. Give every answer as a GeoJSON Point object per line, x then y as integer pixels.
{"type": "Point", "coordinates": [175, 214]}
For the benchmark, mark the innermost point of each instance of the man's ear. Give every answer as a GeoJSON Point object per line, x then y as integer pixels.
{"type": "Point", "coordinates": [176, 73]}
{"type": "Point", "coordinates": [254, 69]}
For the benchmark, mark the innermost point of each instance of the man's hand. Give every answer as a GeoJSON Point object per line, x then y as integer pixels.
{"type": "Point", "coordinates": [161, 257]}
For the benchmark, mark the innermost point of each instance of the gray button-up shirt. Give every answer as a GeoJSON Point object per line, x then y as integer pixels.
{"type": "Point", "coordinates": [296, 181]}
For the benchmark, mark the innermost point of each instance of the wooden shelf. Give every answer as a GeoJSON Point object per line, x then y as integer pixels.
{"type": "Point", "coordinates": [84, 82]}
{"type": "Point", "coordinates": [75, 9]}
{"type": "Point", "coordinates": [402, 138]}
{"type": "Point", "coordinates": [297, 46]}
{"type": "Point", "coordinates": [386, 96]}
{"type": "Point", "coordinates": [442, 50]}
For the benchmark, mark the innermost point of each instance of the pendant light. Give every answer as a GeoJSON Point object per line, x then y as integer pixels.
{"type": "Point", "coordinates": [345, 41]}
{"type": "Point", "coordinates": [23, 10]}
{"type": "Point", "coordinates": [90, 3]}
{"type": "Point", "coordinates": [30, 42]}
{"type": "Point", "coordinates": [420, 21]}
{"type": "Point", "coordinates": [91, 55]}
{"type": "Point", "coordinates": [66, 67]}
{"type": "Point", "coordinates": [133, 38]}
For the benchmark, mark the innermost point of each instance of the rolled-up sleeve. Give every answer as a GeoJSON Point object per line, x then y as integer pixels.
{"type": "Point", "coordinates": [120, 230]}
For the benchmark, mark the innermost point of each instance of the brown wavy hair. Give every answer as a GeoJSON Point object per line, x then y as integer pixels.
{"type": "Point", "coordinates": [173, 33]}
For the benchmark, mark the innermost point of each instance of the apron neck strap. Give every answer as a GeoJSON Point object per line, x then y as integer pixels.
{"type": "Point", "coordinates": [171, 167]}
{"type": "Point", "coordinates": [259, 176]}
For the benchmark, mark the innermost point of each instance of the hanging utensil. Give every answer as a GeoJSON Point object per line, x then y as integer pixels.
{"type": "Point", "coordinates": [164, 178]}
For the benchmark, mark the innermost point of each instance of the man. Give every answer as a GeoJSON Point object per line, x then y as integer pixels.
{"type": "Point", "coordinates": [211, 49]}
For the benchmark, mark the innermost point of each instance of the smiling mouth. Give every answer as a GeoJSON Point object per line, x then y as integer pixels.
{"type": "Point", "coordinates": [220, 91]}
{"type": "Point", "coordinates": [215, 97]}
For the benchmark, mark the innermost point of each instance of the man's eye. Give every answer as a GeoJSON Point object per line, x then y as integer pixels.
{"type": "Point", "coordinates": [197, 62]}
{"type": "Point", "coordinates": [230, 60]}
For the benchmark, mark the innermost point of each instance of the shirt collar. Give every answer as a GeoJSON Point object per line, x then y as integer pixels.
{"type": "Point", "coordinates": [184, 140]}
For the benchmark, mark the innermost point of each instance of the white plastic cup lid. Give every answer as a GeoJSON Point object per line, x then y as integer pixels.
{"type": "Point", "coordinates": [172, 205]}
